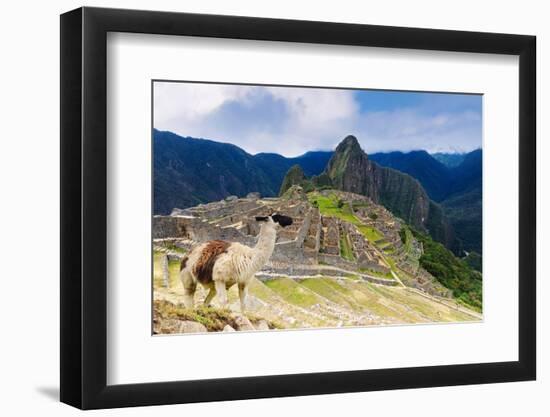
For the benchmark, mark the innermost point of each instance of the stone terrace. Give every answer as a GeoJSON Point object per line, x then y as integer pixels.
{"type": "Point", "coordinates": [312, 239]}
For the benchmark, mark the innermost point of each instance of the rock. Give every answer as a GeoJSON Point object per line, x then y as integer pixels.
{"type": "Point", "coordinates": [166, 326]}
{"type": "Point", "coordinates": [231, 198]}
{"type": "Point", "coordinates": [254, 196]}
{"type": "Point", "coordinates": [253, 303]}
{"type": "Point", "coordinates": [177, 212]}
{"type": "Point", "coordinates": [192, 327]}
{"type": "Point", "coordinates": [243, 324]}
{"type": "Point", "coordinates": [235, 307]}
{"type": "Point", "coordinates": [295, 192]}
{"type": "Point", "coordinates": [165, 272]}
{"type": "Point", "coordinates": [262, 325]}
{"type": "Point", "coordinates": [228, 328]}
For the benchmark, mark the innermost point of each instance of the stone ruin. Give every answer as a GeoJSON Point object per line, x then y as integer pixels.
{"type": "Point", "coordinates": [310, 243]}
{"type": "Point", "coordinates": [310, 246]}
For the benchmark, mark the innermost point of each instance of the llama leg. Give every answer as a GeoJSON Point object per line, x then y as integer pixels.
{"type": "Point", "coordinates": [210, 295]}
{"type": "Point", "coordinates": [222, 293]}
{"type": "Point", "coordinates": [189, 287]}
{"type": "Point", "coordinates": [243, 293]}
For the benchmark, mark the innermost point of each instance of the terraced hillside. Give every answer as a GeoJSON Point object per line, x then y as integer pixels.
{"type": "Point", "coordinates": [345, 261]}
{"type": "Point", "coordinates": [284, 303]}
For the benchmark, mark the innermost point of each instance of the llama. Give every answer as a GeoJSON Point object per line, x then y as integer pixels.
{"type": "Point", "coordinates": [218, 264]}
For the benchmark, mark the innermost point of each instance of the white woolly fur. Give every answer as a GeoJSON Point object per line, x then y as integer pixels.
{"type": "Point", "coordinates": [236, 266]}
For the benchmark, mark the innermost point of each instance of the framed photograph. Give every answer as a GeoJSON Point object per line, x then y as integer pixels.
{"type": "Point", "coordinates": [257, 208]}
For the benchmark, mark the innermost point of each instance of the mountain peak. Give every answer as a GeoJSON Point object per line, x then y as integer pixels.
{"type": "Point", "coordinates": [350, 142]}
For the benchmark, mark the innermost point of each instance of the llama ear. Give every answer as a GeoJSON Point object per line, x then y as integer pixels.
{"type": "Point", "coordinates": [261, 218]}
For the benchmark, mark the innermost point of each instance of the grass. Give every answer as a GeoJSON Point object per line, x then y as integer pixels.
{"type": "Point", "coordinates": [214, 319]}
{"type": "Point", "coordinates": [173, 248]}
{"type": "Point", "coordinates": [389, 249]}
{"type": "Point", "coordinates": [173, 270]}
{"type": "Point", "coordinates": [328, 206]}
{"type": "Point", "coordinates": [371, 233]}
{"type": "Point", "coordinates": [385, 275]}
{"type": "Point", "coordinates": [331, 290]}
{"type": "Point", "coordinates": [346, 250]}
{"type": "Point", "coordinates": [391, 263]}
{"type": "Point", "coordinates": [406, 238]}
{"type": "Point", "coordinates": [415, 303]}
{"type": "Point", "coordinates": [292, 292]}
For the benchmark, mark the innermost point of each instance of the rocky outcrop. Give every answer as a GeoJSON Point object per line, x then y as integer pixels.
{"type": "Point", "coordinates": [188, 326]}
{"type": "Point", "coordinates": [243, 324]}
{"type": "Point", "coordinates": [254, 196]}
{"type": "Point", "coordinates": [294, 176]}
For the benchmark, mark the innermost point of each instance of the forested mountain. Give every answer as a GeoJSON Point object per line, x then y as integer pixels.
{"type": "Point", "coordinates": [415, 186]}
{"type": "Point", "coordinates": [458, 189]}
{"type": "Point", "coordinates": [189, 171]}
{"type": "Point", "coordinates": [432, 174]}
{"type": "Point", "coordinates": [463, 206]}
{"type": "Point", "coordinates": [450, 160]}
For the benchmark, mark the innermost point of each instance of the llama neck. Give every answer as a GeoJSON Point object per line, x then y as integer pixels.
{"type": "Point", "coordinates": [265, 245]}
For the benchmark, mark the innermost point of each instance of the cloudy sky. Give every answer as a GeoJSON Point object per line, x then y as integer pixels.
{"type": "Point", "coordinates": [291, 120]}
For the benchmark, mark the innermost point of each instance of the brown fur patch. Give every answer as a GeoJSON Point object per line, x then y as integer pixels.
{"type": "Point", "coordinates": [205, 264]}
{"type": "Point", "coordinates": [183, 263]}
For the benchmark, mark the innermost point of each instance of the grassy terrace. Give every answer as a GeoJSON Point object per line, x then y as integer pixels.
{"type": "Point", "coordinates": [371, 233]}
{"type": "Point", "coordinates": [378, 274]}
{"type": "Point", "coordinates": [346, 250]}
{"type": "Point", "coordinates": [292, 292]}
{"type": "Point", "coordinates": [330, 206]}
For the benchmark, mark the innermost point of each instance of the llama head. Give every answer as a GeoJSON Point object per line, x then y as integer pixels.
{"type": "Point", "coordinates": [276, 218]}
{"type": "Point", "coordinates": [281, 219]}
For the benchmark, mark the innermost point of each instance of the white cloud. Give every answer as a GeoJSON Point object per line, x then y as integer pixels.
{"type": "Point", "coordinates": [191, 101]}
{"type": "Point", "coordinates": [409, 129]}
{"type": "Point", "coordinates": [291, 121]}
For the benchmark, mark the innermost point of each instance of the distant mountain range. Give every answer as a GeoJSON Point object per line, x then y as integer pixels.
{"type": "Point", "coordinates": [432, 174]}
{"type": "Point", "coordinates": [457, 188]}
{"type": "Point", "coordinates": [190, 171]}
{"type": "Point", "coordinates": [450, 160]}
{"type": "Point", "coordinates": [415, 186]}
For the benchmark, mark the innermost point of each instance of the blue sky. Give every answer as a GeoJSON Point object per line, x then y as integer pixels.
{"type": "Point", "coordinates": [293, 120]}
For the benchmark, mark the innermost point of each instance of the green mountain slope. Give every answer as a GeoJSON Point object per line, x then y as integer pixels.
{"type": "Point", "coordinates": [457, 187]}
{"type": "Point", "coordinates": [189, 171]}
{"type": "Point", "coordinates": [432, 174]}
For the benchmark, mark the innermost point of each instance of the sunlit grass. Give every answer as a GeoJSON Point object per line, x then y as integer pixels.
{"type": "Point", "coordinates": [292, 292]}
{"type": "Point", "coordinates": [328, 206]}
{"type": "Point", "coordinates": [345, 248]}
{"type": "Point", "coordinates": [371, 233]}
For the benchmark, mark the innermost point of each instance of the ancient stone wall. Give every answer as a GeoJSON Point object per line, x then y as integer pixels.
{"type": "Point", "coordinates": [175, 227]}
{"type": "Point", "coordinates": [303, 231]}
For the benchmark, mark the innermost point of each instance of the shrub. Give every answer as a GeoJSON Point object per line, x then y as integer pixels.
{"type": "Point", "coordinates": [450, 271]}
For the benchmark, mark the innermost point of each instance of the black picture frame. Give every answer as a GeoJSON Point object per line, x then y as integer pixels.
{"type": "Point", "coordinates": [84, 207]}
